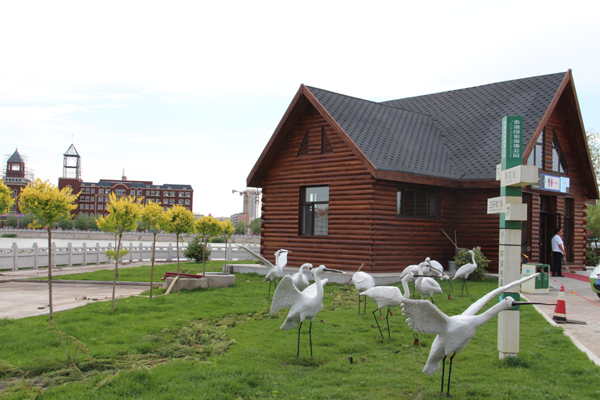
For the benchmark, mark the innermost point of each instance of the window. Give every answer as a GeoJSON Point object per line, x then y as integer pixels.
{"type": "Point", "coordinates": [139, 192]}
{"type": "Point", "coordinates": [187, 202]}
{"type": "Point", "coordinates": [100, 207]}
{"type": "Point", "coordinates": [93, 191]}
{"type": "Point", "coordinates": [314, 211]}
{"type": "Point", "coordinates": [558, 160]}
{"type": "Point", "coordinates": [100, 191]}
{"type": "Point", "coordinates": [417, 203]}
{"type": "Point", "coordinates": [91, 207]}
{"type": "Point", "coordinates": [172, 201]}
{"type": "Point", "coordinates": [120, 191]}
{"type": "Point", "coordinates": [537, 155]}
{"type": "Point", "coordinates": [304, 146]}
{"type": "Point", "coordinates": [325, 144]}
{"type": "Point", "coordinates": [107, 191]}
{"type": "Point", "coordinates": [172, 194]}
{"type": "Point", "coordinates": [100, 198]}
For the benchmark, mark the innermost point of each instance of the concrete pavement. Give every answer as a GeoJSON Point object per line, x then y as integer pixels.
{"type": "Point", "coordinates": [20, 299]}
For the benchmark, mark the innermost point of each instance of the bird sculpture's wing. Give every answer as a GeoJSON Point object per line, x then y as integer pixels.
{"type": "Point", "coordinates": [381, 292]}
{"type": "Point", "coordinates": [465, 270]}
{"type": "Point", "coordinates": [285, 295]}
{"type": "Point", "coordinates": [361, 277]}
{"type": "Point", "coordinates": [478, 305]}
{"type": "Point", "coordinates": [258, 256]}
{"type": "Point", "coordinates": [423, 316]}
{"type": "Point", "coordinates": [312, 289]}
{"type": "Point", "coordinates": [410, 269]}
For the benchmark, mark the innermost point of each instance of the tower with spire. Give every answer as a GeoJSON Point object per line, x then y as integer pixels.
{"type": "Point", "coordinates": [16, 177]}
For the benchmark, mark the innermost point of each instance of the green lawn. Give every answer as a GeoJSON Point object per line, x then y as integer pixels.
{"type": "Point", "coordinates": [223, 344]}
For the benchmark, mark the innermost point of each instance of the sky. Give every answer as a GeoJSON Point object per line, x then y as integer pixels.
{"type": "Point", "coordinates": [190, 92]}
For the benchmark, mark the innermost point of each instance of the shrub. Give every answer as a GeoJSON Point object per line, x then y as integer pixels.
{"type": "Point", "coordinates": [217, 240]}
{"type": "Point", "coordinates": [464, 257]}
{"type": "Point", "coordinates": [591, 258]}
{"type": "Point", "coordinates": [197, 250]}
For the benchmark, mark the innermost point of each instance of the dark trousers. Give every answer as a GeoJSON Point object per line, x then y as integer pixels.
{"type": "Point", "coordinates": [557, 267]}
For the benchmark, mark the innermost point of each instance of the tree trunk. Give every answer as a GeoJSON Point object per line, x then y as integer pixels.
{"type": "Point", "coordinates": [204, 258]}
{"type": "Point", "coordinates": [50, 276]}
{"type": "Point", "coordinates": [152, 268]}
{"type": "Point", "coordinates": [116, 271]}
{"type": "Point", "coordinates": [178, 278]}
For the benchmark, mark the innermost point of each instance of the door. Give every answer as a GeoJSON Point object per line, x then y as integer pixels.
{"type": "Point", "coordinates": [550, 220]}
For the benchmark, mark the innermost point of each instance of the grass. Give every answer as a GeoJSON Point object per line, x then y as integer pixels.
{"type": "Point", "coordinates": [223, 344]}
{"type": "Point", "coordinates": [9, 235]}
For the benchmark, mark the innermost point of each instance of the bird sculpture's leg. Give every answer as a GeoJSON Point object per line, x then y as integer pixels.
{"type": "Point", "coordinates": [298, 354]}
{"type": "Point", "coordinates": [359, 305]}
{"type": "Point", "coordinates": [269, 295]}
{"type": "Point", "coordinates": [431, 299]}
{"type": "Point", "coordinates": [310, 338]}
{"type": "Point", "coordinates": [450, 373]}
{"type": "Point", "coordinates": [443, 373]}
{"type": "Point", "coordinates": [377, 322]}
{"type": "Point", "coordinates": [365, 306]}
{"type": "Point", "coordinates": [464, 287]}
{"type": "Point", "coordinates": [388, 322]}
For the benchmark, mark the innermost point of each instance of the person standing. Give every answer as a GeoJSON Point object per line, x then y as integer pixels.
{"type": "Point", "coordinates": [558, 252]}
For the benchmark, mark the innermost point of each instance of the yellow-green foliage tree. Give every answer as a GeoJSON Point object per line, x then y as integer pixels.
{"type": "Point", "coordinates": [48, 205]}
{"type": "Point", "coordinates": [123, 214]}
{"type": "Point", "coordinates": [179, 221]}
{"type": "Point", "coordinates": [6, 201]}
{"type": "Point", "coordinates": [227, 231]}
{"type": "Point", "coordinates": [155, 219]}
{"type": "Point", "coordinates": [208, 228]}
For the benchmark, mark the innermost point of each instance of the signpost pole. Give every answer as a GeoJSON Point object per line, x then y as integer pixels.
{"type": "Point", "coordinates": [509, 255]}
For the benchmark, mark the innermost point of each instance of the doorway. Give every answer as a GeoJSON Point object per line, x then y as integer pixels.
{"type": "Point", "coordinates": [550, 220]}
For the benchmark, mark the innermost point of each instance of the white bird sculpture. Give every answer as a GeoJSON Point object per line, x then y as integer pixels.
{"type": "Point", "coordinates": [303, 305]}
{"type": "Point", "coordinates": [362, 281]}
{"type": "Point", "coordinates": [439, 269]}
{"type": "Point", "coordinates": [465, 270]}
{"type": "Point", "coordinates": [387, 296]}
{"type": "Point", "coordinates": [300, 280]}
{"type": "Point", "coordinates": [274, 272]}
{"type": "Point", "coordinates": [427, 286]}
{"type": "Point", "coordinates": [453, 333]}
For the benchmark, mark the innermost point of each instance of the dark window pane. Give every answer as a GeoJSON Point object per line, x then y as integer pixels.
{"type": "Point", "coordinates": [321, 219]}
{"type": "Point", "coordinates": [409, 203]}
{"type": "Point", "coordinates": [422, 203]}
{"type": "Point", "coordinates": [432, 205]}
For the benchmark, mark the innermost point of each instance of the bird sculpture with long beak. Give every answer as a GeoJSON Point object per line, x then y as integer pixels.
{"type": "Point", "coordinates": [453, 333]}
{"type": "Point", "coordinates": [303, 304]}
{"type": "Point", "coordinates": [300, 280]}
{"type": "Point", "coordinates": [387, 296]}
{"type": "Point", "coordinates": [465, 270]}
{"type": "Point", "coordinates": [362, 281]}
{"type": "Point", "coordinates": [427, 286]}
{"type": "Point", "coordinates": [274, 272]}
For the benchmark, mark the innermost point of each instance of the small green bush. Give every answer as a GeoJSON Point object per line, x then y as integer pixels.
{"type": "Point", "coordinates": [217, 240]}
{"type": "Point", "coordinates": [197, 250]}
{"type": "Point", "coordinates": [9, 235]}
{"type": "Point", "coordinates": [464, 257]}
{"type": "Point", "coordinates": [591, 258]}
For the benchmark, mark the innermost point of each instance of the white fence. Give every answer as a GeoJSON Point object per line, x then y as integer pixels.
{"type": "Point", "coordinates": [35, 257]}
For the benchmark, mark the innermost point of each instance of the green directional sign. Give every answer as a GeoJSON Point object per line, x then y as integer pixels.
{"type": "Point", "coordinates": [512, 156]}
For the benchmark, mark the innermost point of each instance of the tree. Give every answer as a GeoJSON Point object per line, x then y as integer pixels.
{"type": "Point", "coordinates": [123, 214]}
{"type": "Point", "coordinates": [593, 210]}
{"type": "Point", "coordinates": [81, 222]}
{"type": "Point", "coordinates": [255, 225]}
{"type": "Point", "coordinates": [207, 227]}
{"type": "Point", "coordinates": [65, 224]}
{"type": "Point", "coordinates": [227, 231]}
{"type": "Point", "coordinates": [26, 220]}
{"type": "Point", "coordinates": [48, 206]}
{"type": "Point", "coordinates": [179, 221]}
{"type": "Point", "coordinates": [11, 221]}
{"type": "Point", "coordinates": [154, 218]}
{"type": "Point", "coordinates": [6, 200]}
{"type": "Point", "coordinates": [240, 228]}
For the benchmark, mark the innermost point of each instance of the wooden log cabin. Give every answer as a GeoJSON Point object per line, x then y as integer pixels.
{"type": "Point", "coordinates": [347, 181]}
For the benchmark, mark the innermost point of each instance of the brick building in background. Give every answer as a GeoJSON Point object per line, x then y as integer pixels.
{"type": "Point", "coordinates": [94, 196]}
{"type": "Point", "coordinates": [16, 177]}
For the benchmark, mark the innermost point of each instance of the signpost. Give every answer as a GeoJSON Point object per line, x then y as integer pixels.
{"type": "Point", "coordinates": [513, 175]}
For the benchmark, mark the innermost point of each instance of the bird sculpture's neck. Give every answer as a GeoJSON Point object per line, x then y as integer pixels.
{"type": "Point", "coordinates": [473, 257]}
{"type": "Point", "coordinates": [493, 311]}
{"type": "Point", "coordinates": [405, 280]}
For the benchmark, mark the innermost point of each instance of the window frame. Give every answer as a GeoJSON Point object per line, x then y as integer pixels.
{"type": "Point", "coordinates": [430, 193]}
{"type": "Point", "coordinates": [308, 229]}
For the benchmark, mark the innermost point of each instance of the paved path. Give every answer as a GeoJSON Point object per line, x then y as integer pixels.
{"type": "Point", "coordinates": [581, 305]}
{"type": "Point", "coordinates": [25, 299]}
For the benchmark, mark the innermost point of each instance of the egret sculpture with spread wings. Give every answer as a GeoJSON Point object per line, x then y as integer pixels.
{"type": "Point", "coordinates": [274, 272]}
{"type": "Point", "coordinates": [453, 333]}
{"type": "Point", "coordinates": [303, 305]}
{"type": "Point", "coordinates": [427, 286]}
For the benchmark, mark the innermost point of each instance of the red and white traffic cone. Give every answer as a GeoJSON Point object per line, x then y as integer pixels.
{"type": "Point", "coordinates": [560, 311]}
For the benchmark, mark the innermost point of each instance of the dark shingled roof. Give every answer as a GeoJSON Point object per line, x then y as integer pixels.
{"type": "Point", "coordinates": [454, 134]}
{"type": "Point", "coordinates": [15, 158]}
